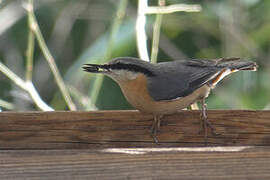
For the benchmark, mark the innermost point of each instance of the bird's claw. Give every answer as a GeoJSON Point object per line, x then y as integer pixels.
{"type": "Point", "coordinates": [212, 128]}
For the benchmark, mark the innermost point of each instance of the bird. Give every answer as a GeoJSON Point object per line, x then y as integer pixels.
{"type": "Point", "coordinates": [168, 87]}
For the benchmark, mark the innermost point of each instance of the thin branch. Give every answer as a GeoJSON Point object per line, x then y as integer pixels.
{"type": "Point", "coordinates": [81, 98]}
{"type": "Point", "coordinates": [120, 14]}
{"type": "Point", "coordinates": [95, 92]}
{"type": "Point", "coordinates": [12, 76]}
{"type": "Point", "coordinates": [173, 8]}
{"type": "Point", "coordinates": [156, 34]}
{"type": "Point", "coordinates": [10, 14]}
{"type": "Point", "coordinates": [161, 9]}
{"type": "Point", "coordinates": [30, 49]}
{"type": "Point", "coordinates": [143, 10]}
{"type": "Point", "coordinates": [49, 58]}
{"type": "Point", "coordinates": [140, 30]}
{"type": "Point", "coordinates": [170, 49]}
{"type": "Point", "coordinates": [114, 29]}
{"type": "Point", "coordinates": [35, 96]}
{"type": "Point", "coordinates": [27, 86]}
{"type": "Point", "coordinates": [6, 105]}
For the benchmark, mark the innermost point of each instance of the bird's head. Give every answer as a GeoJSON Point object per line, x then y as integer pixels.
{"type": "Point", "coordinates": [121, 69]}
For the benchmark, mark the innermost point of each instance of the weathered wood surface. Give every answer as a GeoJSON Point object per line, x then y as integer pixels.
{"type": "Point", "coordinates": [251, 163]}
{"type": "Point", "coordinates": [105, 145]}
{"type": "Point", "coordinates": [79, 130]}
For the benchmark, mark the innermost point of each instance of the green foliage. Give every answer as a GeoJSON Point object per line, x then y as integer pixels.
{"type": "Point", "coordinates": [76, 36]}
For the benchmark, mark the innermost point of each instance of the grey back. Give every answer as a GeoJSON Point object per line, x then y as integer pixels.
{"type": "Point", "coordinates": [180, 78]}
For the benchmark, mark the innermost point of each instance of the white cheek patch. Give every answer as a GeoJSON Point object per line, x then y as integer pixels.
{"type": "Point", "coordinates": [131, 75]}
{"type": "Point", "coordinates": [123, 75]}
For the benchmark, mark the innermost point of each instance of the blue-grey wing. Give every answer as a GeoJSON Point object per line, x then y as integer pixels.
{"type": "Point", "coordinates": [180, 78]}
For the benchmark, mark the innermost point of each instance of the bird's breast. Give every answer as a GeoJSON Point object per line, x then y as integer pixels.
{"type": "Point", "coordinates": [137, 94]}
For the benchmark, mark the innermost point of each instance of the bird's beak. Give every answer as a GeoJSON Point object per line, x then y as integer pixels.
{"type": "Point", "coordinates": [96, 68]}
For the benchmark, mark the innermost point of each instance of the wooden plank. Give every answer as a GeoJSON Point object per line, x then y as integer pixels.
{"type": "Point", "coordinates": [78, 130]}
{"type": "Point", "coordinates": [209, 163]}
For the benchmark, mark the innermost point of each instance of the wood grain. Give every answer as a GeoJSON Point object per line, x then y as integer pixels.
{"type": "Point", "coordinates": [250, 163]}
{"type": "Point", "coordinates": [121, 129]}
{"type": "Point", "coordinates": [117, 145]}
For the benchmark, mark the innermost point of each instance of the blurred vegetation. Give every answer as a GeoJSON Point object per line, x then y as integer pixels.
{"type": "Point", "coordinates": [93, 31]}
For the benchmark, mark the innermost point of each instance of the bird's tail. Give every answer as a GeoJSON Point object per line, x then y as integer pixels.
{"type": "Point", "coordinates": [231, 65]}
{"type": "Point", "coordinates": [237, 64]}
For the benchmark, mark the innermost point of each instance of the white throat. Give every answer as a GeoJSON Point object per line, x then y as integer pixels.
{"type": "Point", "coordinates": [122, 75]}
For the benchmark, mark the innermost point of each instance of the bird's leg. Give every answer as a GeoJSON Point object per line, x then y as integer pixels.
{"type": "Point", "coordinates": [205, 121]}
{"type": "Point", "coordinates": [158, 122]}
{"type": "Point", "coordinates": [155, 127]}
{"type": "Point", "coordinates": [204, 118]}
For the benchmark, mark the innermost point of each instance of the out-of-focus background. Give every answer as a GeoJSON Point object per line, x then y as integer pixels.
{"type": "Point", "coordinates": [94, 31]}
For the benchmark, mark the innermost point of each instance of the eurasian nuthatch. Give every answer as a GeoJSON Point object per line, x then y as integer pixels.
{"type": "Point", "coordinates": [167, 87]}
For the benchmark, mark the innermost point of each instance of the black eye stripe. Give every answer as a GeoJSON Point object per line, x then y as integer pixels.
{"type": "Point", "coordinates": [131, 67]}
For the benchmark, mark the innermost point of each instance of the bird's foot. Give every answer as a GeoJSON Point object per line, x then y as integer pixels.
{"type": "Point", "coordinates": [155, 128]}
{"type": "Point", "coordinates": [208, 125]}
{"type": "Point", "coordinates": [205, 123]}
